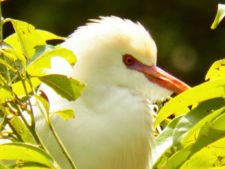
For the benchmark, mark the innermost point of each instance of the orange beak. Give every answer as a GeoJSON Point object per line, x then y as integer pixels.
{"type": "Point", "coordinates": [164, 79]}
{"type": "Point", "coordinates": [160, 77]}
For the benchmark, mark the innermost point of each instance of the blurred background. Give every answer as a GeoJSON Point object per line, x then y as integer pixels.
{"type": "Point", "coordinates": [181, 28]}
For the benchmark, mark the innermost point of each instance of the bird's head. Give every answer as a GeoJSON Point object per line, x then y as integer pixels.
{"type": "Point", "coordinates": [121, 53]}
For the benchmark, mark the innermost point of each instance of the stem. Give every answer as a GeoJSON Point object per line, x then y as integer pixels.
{"type": "Point", "coordinates": [7, 73]}
{"type": "Point", "coordinates": [31, 113]}
{"type": "Point", "coordinates": [57, 138]}
{"type": "Point", "coordinates": [1, 23]}
{"type": "Point", "coordinates": [32, 130]}
{"type": "Point", "coordinates": [60, 143]}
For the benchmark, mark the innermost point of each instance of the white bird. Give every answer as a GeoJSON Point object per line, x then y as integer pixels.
{"type": "Point", "coordinates": [113, 124]}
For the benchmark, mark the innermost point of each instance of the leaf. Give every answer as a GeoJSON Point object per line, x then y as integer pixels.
{"type": "Point", "coordinates": [43, 57]}
{"type": "Point", "coordinates": [205, 91]}
{"type": "Point", "coordinates": [66, 87]}
{"type": "Point", "coordinates": [18, 87]}
{"type": "Point", "coordinates": [29, 165]}
{"type": "Point", "coordinates": [219, 16]}
{"type": "Point", "coordinates": [43, 103]}
{"type": "Point", "coordinates": [25, 39]}
{"type": "Point", "coordinates": [7, 65]}
{"type": "Point", "coordinates": [26, 153]}
{"type": "Point", "coordinates": [205, 134]}
{"type": "Point", "coordinates": [214, 156]}
{"type": "Point", "coordinates": [164, 141]}
{"type": "Point", "coordinates": [217, 70]}
{"type": "Point", "coordinates": [185, 126]}
{"type": "Point", "coordinates": [190, 123]}
{"type": "Point", "coordinates": [5, 95]}
{"type": "Point", "coordinates": [14, 55]}
{"type": "Point", "coordinates": [66, 114]}
{"type": "Point", "coordinates": [3, 167]}
{"type": "Point", "coordinates": [45, 35]}
{"type": "Point", "coordinates": [21, 129]}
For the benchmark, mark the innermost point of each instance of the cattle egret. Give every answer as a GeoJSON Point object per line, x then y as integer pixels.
{"type": "Point", "coordinates": [113, 124]}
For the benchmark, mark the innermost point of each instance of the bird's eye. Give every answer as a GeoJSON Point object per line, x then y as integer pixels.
{"type": "Point", "coordinates": [128, 59]}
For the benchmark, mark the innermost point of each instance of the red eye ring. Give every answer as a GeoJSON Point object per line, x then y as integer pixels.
{"type": "Point", "coordinates": [128, 60]}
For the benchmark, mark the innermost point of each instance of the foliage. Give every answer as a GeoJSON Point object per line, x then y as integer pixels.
{"type": "Point", "coordinates": [25, 59]}
{"type": "Point", "coordinates": [195, 138]}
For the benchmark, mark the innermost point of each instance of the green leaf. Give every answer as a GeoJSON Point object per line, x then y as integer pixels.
{"type": "Point", "coordinates": [43, 57]}
{"type": "Point", "coordinates": [190, 123]}
{"type": "Point", "coordinates": [163, 142]}
{"type": "Point", "coordinates": [44, 103]}
{"type": "Point", "coordinates": [217, 70]}
{"type": "Point", "coordinates": [219, 16]}
{"type": "Point", "coordinates": [5, 95]}
{"type": "Point", "coordinates": [66, 114]}
{"type": "Point", "coordinates": [7, 65]}
{"type": "Point", "coordinates": [205, 91]}
{"type": "Point", "coordinates": [205, 133]}
{"type": "Point", "coordinates": [183, 130]}
{"type": "Point", "coordinates": [3, 167]}
{"type": "Point", "coordinates": [25, 152]}
{"type": "Point", "coordinates": [29, 165]}
{"type": "Point", "coordinates": [45, 35]}
{"type": "Point", "coordinates": [214, 157]}
{"type": "Point", "coordinates": [21, 129]}
{"type": "Point", "coordinates": [18, 87]}
{"type": "Point", "coordinates": [26, 37]}
{"type": "Point", "coordinates": [66, 87]}
{"type": "Point", "coordinates": [14, 55]}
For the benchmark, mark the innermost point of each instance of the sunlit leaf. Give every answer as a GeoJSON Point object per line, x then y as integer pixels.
{"type": "Point", "coordinates": [42, 62]}
{"type": "Point", "coordinates": [14, 55]}
{"type": "Point", "coordinates": [45, 35]}
{"type": "Point", "coordinates": [163, 141]}
{"type": "Point", "coordinates": [185, 126]}
{"type": "Point", "coordinates": [3, 167]}
{"type": "Point", "coordinates": [210, 156]}
{"type": "Point", "coordinates": [217, 70]}
{"type": "Point", "coordinates": [43, 103]}
{"type": "Point", "coordinates": [66, 114]}
{"type": "Point", "coordinates": [29, 165]}
{"type": "Point", "coordinates": [190, 123]}
{"type": "Point", "coordinates": [66, 87]}
{"type": "Point", "coordinates": [205, 91]}
{"type": "Point", "coordinates": [219, 16]}
{"type": "Point", "coordinates": [5, 95]}
{"type": "Point", "coordinates": [26, 153]}
{"type": "Point", "coordinates": [205, 134]}
{"type": "Point", "coordinates": [7, 65]}
{"type": "Point", "coordinates": [26, 37]}
{"type": "Point", "coordinates": [18, 87]}
{"type": "Point", "coordinates": [21, 129]}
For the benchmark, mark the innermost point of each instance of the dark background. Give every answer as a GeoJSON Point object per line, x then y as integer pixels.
{"type": "Point", "coordinates": [181, 28]}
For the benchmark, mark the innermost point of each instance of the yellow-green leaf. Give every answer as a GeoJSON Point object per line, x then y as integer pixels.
{"type": "Point", "coordinates": [205, 91]}
{"type": "Point", "coordinates": [25, 39]}
{"type": "Point", "coordinates": [66, 87]}
{"type": "Point", "coordinates": [66, 114]}
{"type": "Point", "coordinates": [18, 87]}
{"type": "Point", "coordinates": [45, 35]}
{"type": "Point", "coordinates": [217, 70]}
{"type": "Point", "coordinates": [25, 152]}
{"type": "Point", "coordinates": [40, 64]}
{"type": "Point", "coordinates": [5, 95]}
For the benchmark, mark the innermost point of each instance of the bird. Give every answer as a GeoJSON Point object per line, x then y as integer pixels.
{"type": "Point", "coordinates": [112, 128]}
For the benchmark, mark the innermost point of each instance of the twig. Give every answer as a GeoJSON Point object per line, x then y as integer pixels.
{"type": "Point", "coordinates": [60, 143]}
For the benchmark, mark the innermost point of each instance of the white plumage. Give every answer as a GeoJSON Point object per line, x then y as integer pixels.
{"type": "Point", "coordinates": [113, 124]}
